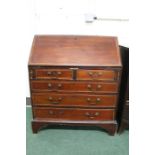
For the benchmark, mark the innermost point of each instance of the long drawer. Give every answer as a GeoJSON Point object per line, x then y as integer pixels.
{"type": "Point", "coordinates": [72, 86]}
{"type": "Point", "coordinates": [74, 114]}
{"type": "Point", "coordinates": [54, 99]}
{"type": "Point", "coordinates": [73, 100]}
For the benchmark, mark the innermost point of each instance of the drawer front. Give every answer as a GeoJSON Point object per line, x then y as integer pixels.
{"type": "Point", "coordinates": [97, 75]}
{"type": "Point", "coordinates": [74, 86]}
{"type": "Point", "coordinates": [54, 74]}
{"type": "Point", "coordinates": [74, 114]}
{"type": "Point", "coordinates": [53, 99]}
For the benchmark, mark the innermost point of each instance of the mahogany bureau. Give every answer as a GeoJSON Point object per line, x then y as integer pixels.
{"type": "Point", "coordinates": [74, 80]}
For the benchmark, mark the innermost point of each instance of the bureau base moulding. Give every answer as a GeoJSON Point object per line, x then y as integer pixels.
{"type": "Point", "coordinates": [110, 126]}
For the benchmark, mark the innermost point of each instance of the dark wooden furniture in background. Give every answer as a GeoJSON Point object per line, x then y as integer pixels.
{"type": "Point", "coordinates": [74, 80]}
{"type": "Point", "coordinates": [123, 108]}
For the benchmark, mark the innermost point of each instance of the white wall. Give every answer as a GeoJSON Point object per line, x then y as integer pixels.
{"type": "Point", "coordinates": [68, 17]}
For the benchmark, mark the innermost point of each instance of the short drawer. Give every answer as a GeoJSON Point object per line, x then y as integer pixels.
{"type": "Point", "coordinates": [56, 74]}
{"type": "Point", "coordinates": [73, 100]}
{"type": "Point", "coordinates": [74, 114]}
{"type": "Point", "coordinates": [61, 86]}
{"type": "Point", "coordinates": [97, 75]}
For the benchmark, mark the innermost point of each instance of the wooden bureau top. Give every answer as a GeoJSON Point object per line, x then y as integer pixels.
{"type": "Point", "coordinates": [59, 50]}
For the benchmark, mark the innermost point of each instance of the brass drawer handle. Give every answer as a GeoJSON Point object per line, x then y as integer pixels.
{"type": "Point", "coordinates": [51, 112]}
{"type": "Point", "coordinates": [97, 114]}
{"type": "Point", "coordinates": [60, 98]}
{"type": "Point", "coordinates": [87, 114]}
{"type": "Point", "coordinates": [49, 85]}
{"type": "Point", "coordinates": [93, 103]}
{"type": "Point", "coordinates": [54, 73]}
{"type": "Point", "coordinates": [99, 86]}
{"type": "Point", "coordinates": [92, 116]}
{"type": "Point", "coordinates": [50, 98]}
{"type": "Point", "coordinates": [59, 73]}
{"type": "Point", "coordinates": [89, 101]}
{"type": "Point", "coordinates": [55, 102]}
{"type": "Point", "coordinates": [95, 74]}
{"type": "Point", "coordinates": [98, 99]}
{"type": "Point", "coordinates": [100, 73]}
{"type": "Point", "coordinates": [49, 73]}
{"type": "Point", "coordinates": [90, 73]}
{"type": "Point", "coordinates": [89, 86]}
{"type": "Point", "coordinates": [59, 85]}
